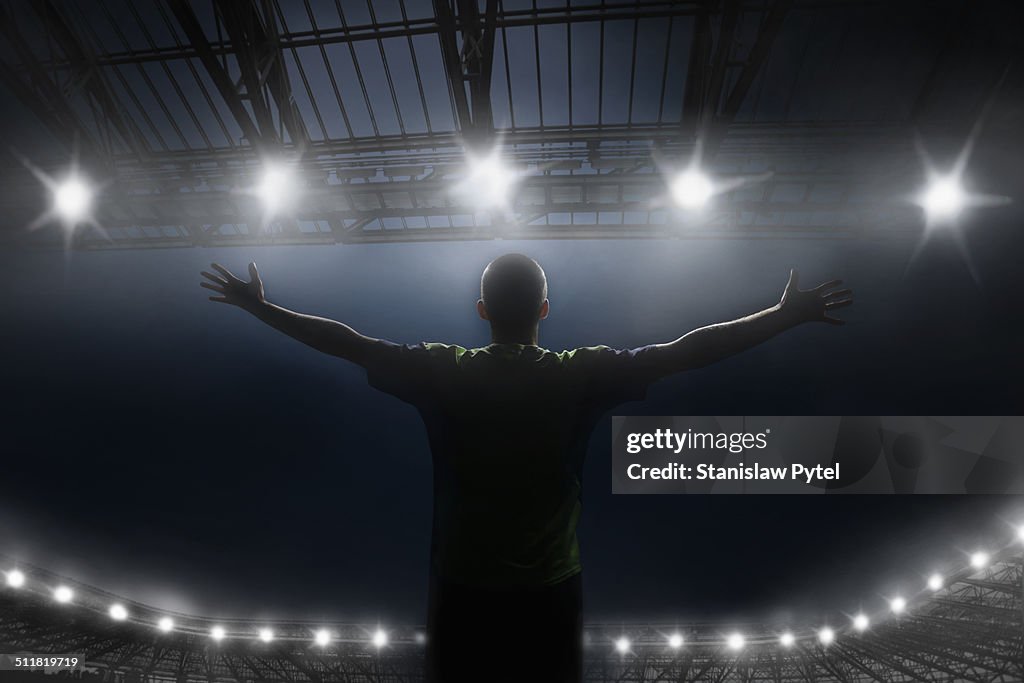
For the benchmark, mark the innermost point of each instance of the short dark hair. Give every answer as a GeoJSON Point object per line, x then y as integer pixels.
{"type": "Point", "coordinates": [513, 288]}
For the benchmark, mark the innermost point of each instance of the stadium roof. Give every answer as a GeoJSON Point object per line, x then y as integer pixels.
{"type": "Point", "coordinates": [806, 110]}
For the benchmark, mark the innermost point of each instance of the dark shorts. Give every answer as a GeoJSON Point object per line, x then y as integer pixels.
{"type": "Point", "coordinates": [524, 635]}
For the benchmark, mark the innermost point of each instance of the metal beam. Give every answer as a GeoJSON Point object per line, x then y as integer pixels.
{"type": "Point", "coordinates": [84, 62]}
{"type": "Point", "coordinates": [42, 95]}
{"type": "Point", "coordinates": [756, 59]}
{"type": "Point", "coordinates": [225, 86]}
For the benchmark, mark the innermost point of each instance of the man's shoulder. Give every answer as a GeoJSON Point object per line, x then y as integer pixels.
{"type": "Point", "coordinates": [583, 354]}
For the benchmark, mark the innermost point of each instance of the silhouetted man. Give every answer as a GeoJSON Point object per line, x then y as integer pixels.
{"type": "Point", "coordinates": [508, 426]}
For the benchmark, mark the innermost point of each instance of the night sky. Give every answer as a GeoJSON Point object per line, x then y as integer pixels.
{"type": "Point", "coordinates": [178, 452]}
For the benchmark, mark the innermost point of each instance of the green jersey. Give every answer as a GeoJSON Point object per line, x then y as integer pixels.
{"type": "Point", "coordinates": [508, 426]}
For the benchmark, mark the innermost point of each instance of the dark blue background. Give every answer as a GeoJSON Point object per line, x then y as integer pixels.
{"type": "Point", "coordinates": [177, 451]}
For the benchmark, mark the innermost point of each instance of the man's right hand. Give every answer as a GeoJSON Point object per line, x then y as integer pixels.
{"type": "Point", "coordinates": [233, 290]}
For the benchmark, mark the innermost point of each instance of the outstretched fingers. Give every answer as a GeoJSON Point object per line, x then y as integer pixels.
{"type": "Point", "coordinates": [838, 294]}
{"type": "Point", "coordinates": [213, 287]}
{"type": "Point", "coordinates": [824, 286]}
{"type": "Point", "coordinates": [228, 276]}
{"type": "Point", "coordinates": [833, 321]}
{"type": "Point", "coordinates": [832, 305]}
{"type": "Point", "coordinates": [214, 278]}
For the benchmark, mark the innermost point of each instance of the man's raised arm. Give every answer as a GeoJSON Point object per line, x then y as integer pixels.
{"type": "Point", "coordinates": [708, 344]}
{"type": "Point", "coordinates": [328, 336]}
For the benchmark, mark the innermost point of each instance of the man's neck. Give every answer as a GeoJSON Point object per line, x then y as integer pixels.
{"type": "Point", "coordinates": [526, 339]}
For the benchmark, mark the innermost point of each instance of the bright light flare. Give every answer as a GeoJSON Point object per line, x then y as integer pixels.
{"type": "Point", "coordinates": [622, 645]}
{"type": "Point", "coordinates": [675, 641]}
{"type": "Point", "coordinates": [944, 198]}
{"type": "Point", "coordinates": [692, 189]}
{"type": "Point", "coordinates": [118, 612]}
{"type": "Point", "coordinates": [277, 188]}
{"type": "Point", "coordinates": [322, 638]}
{"type": "Point", "coordinates": [787, 639]}
{"type": "Point", "coordinates": [736, 641]}
{"type": "Point", "coordinates": [861, 622]}
{"type": "Point", "coordinates": [380, 638]}
{"type": "Point", "coordinates": [826, 636]}
{"type": "Point", "coordinates": [1020, 532]}
{"type": "Point", "coordinates": [935, 582]}
{"type": "Point", "coordinates": [217, 633]}
{"type": "Point", "coordinates": [63, 594]}
{"type": "Point", "coordinates": [72, 199]}
{"type": "Point", "coordinates": [166, 624]}
{"type": "Point", "coordinates": [898, 605]}
{"type": "Point", "coordinates": [15, 579]}
{"type": "Point", "coordinates": [979, 560]}
{"type": "Point", "coordinates": [488, 182]}
{"type": "Point", "coordinates": [266, 635]}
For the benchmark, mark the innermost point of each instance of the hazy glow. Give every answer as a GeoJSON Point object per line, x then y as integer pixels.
{"type": "Point", "coordinates": [944, 198]}
{"type": "Point", "coordinates": [276, 188]}
{"type": "Point", "coordinates": [675, 641]}
{"type": "Point", "coordinates": [63, 594]}
{"type": "Point", "coordinates": [15, 579]}
{"type": "Point", "coordinates": [1020, 532]}
{"type": "Point", "coordinates": [71, 200]}
{"type": "Point", "coordinates": [787, 639]}
{"type": "Point", "coordinates": [826, 636]}
{"type": "Point", "coordinates": [622, 645]}
{"type": "Point", "coordinates": [935, 582]}
{"type": "Point", "coordinates": [118, 612]}
{"type": "Point", "coordinates": [421, 638]}
{"type": "Point", "coordinates": [166, 624]}
{"type": "Point", "coordinates": [692, 189]}
{"type": "Point", "coordinates": [979, 560]}
{"type": "Point", "coordinates": [861, 622]}
{"type": "Point", "coordinates": [897, 605]}
{"type": "Point", "coordinates": [380, 638]}
{"type": "Point", "coordinates": [736, 641]}
{"type": "Point", "coordinates": [488, 182]}
{"type": "Point", "coordinates": [323, 637]}
{"type": "Point", "coordinates": [217, 633]}
{"type": "Point", "coordinates": [266, 635]}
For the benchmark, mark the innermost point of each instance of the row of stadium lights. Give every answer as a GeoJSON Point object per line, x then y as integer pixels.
{"type": "Point", "coordinates": [735, 641]}
{"type": "Point", "coordinates": [488, 184]}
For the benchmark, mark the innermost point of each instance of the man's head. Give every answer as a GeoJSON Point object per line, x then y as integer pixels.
{"type": "Point", "coordinates": [513, 297]}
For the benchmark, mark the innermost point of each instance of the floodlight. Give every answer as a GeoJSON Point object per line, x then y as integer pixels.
{"type": "Point", "coordinates": [266, 635]}
{"type": "Point", "coordinates": [826, 636]}
{"type": "Point", "coordinates": [217, 633]}
{"type": "Point", "coordinates": [71, 200]}
{"type": "Point", "coordinates": [692, 189]}
{"type": "Point", "coordinates": [166, 624]}
{"type": "Point", "coordinates": [979, 560]}
{"type": "Point", "coordinates": [118, 612]}
{"type": "Point", "coordinates": [897, 605]}
{"type": "Point", "coordinates": [736, 641]}
{"type": "Point", "coordinates": [935, 582]}
{"type": "Point", "coordinates": [944, 198]}
{"type": "Point", "coordinates": [63, 594]}
{"type": "Point", "coordinates": [861, 622]}
{"type": "Point", "coordinates": [1020, 532]}
{"type": "Point", "coordinates": [276, 187]}
{"type": "Point", "coordinates": [420, 638]}
{"type": "Point", "coordinates": [622, 645]}
{"type": "Point", "coordinates": [380, 638]}
{"type": "Point", "coordinates": [488, 181]}
{"type": "Point", "coordinates": [323, 637]}
{"type": "Point", "coordinates": [675, 641]}
{"type": "Point", "coordinates": [15, 579]}
{"type": "Point", "coordinates": [787, 639]}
